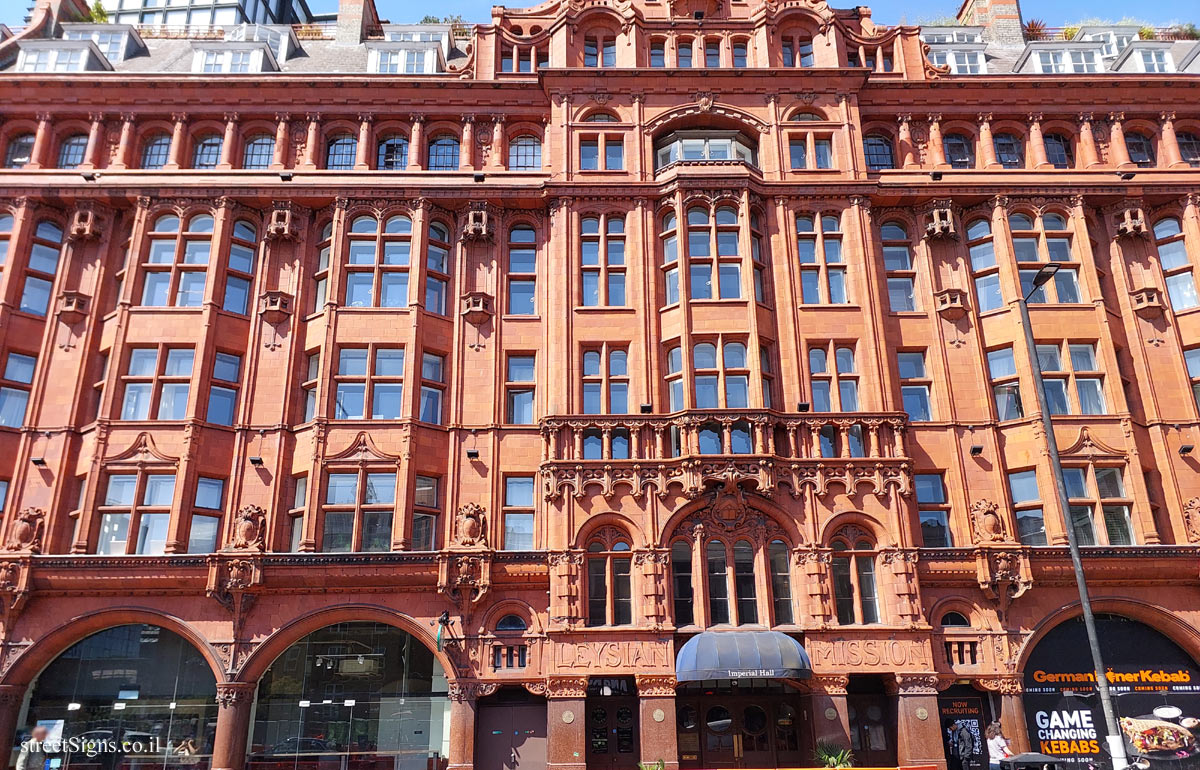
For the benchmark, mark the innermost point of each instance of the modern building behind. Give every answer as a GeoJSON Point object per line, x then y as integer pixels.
{"type": "Point", "coordinates": [609, 382]}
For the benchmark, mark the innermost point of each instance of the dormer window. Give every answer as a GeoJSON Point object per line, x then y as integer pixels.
{"type": "Point", "coordinates": [234, 58]}
{"type": "Point", "coordinates": [1155, 60]}
{"type": "Point", "coordinates": [72, 57]}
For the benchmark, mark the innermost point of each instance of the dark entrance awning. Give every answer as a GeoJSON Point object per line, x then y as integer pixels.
{"type": "Point", "coordinates": [741, 655]}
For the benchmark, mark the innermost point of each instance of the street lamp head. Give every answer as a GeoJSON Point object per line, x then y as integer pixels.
{"type": "Point", "coordinates": [1045, 274]}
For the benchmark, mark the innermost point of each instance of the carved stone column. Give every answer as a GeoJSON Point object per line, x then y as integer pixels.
{"type": "Point", "coordinates": [466, 156]}
{"type": "Point", "coordinates": [41, 142]}
{"type": "Point", "coordinates": [497, 159]}
{"type": "Point", "coordinates": [234, 702]}
{"type": "Point", "coordinates": [904, 142]}
{"type": "Point", "coordinates": [937, 151]}
{"type": "Point", "coordinates": [312, 141]}
{"type": "Point", "coordinates": [1089, 156]}
{"type": "Point", "coordinates": [125, 143]}
{"type": "Point", "coordinates": [566, 717]}
{"type": "Point", "coordinates": [831, 719]}
{"type": "Point", "coordinates": [1170, 143]}
{"type": "Point", "coordinates": [416, 143]}
{"type": "Point", "coordinates": [280, 153]}
{"type": "Point", "coordinates": [1012, 709]}
{"type": "Point", "coordinates": [1037, 143]}
{"type": "Point", "coordinates": [987, 147]}
{"type": "Point", "coordinates": [178, 137]}
{"type": "Point", "coordinates": [656, 705]}
{"type": "Point", "coordinates": [91, 155]}
{"type": "Point", "coordinates": [462, 727]}
{"type": "Point", "coordinates": [228, 142]}
{"type": "Point", "coordinates": [362, 157]}
{"type": "Point", "coordinates": [919, 733]}
{"type": "Point", "coordinates": [1118, 153]}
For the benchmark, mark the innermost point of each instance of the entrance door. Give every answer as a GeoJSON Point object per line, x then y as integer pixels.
{"type": "Point", "coordinates": [612, 732]}
{"type": "Point", "coordinates": [872, 729]}
{"type": "Point", "coordinates": [739, 732]}
{"type": "Point", "coordinates": [511, 737]}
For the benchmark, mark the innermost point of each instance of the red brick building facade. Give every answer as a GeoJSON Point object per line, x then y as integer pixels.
{"type": "Point", "coordinates": [492, 384]}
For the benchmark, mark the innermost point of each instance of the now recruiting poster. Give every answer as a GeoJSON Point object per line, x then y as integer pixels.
{"type": "Point", "coordinates": [1154, 684]}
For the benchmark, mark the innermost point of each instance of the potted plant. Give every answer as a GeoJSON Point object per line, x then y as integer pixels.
{"type": "Point", "coordinates": [656, 765]}
{"type": "Point", "coordinates": [1035, 29]}
{"type": "Point", "coordinates": [832, 755]}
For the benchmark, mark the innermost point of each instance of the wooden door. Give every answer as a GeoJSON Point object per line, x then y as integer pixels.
{"type": "Point", "coordinates": [872, 729]}
{"type": "Point", "coordinates": [612, 733]}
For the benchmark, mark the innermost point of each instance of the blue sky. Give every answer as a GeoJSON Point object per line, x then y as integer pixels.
{"type": "Point", "coordinates": [1053, 12]}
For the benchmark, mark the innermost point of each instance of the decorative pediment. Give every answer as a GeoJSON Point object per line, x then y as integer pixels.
{"type": "Point", "coordinates": [364, 449]}
{"type": "Point", "coordinates": [1090, 446]}
{"type": "Point", "coordinates": [143, 451]}
{"type": "Point", "coordinates": [706, 104]}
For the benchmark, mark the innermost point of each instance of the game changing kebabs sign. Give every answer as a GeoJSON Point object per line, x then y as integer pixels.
{"type": "Point", "coordinates": [1155, 686]}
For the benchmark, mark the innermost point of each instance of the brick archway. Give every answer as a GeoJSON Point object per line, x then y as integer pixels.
{"type": "Point", "coordinates": [45, 650]}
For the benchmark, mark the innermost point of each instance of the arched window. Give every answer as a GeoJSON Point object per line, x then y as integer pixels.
{"type": "Point", "coordinates": [320, 292]}
{"type": "Point", "coordinates": [718, 582]}
{"type": "Point", "coordinates": [165, 688]}
{"type": "Point", "coordinates": [207, 152]}
{"type": "Point", "coordinates": [854, 581]}
{"type": "Point", "coordinates": [1141, 150]}
{"type": "Point", "coordinates": [725, 383]}
{"type": "Point", "coordinates": [437, 268]}
{"type": "Point", "coordinates": [897, 260]}
{"type": "Point", "coordinates": [156, 151]}
{"type": "Point", "coordinates": [393, 153]}
{"type": "Point", "coordinates": [601, 116]}
{"type": "Point", "coordinates": [443, 153]}
{"type": "Point", "coordinates": [511, 623]}
{"type": "Point", "coordinates": [609, 586]}
{"type": "Point", "coordinates": [522, 270]}
{"type": "Point", "coordinates": [1010, 151]}
{"type": "Point", "coordinates": [683, 52]}
{"type": "Point", "coordinates": [983, 265]}
{"type": "Point", "coordinates": [1058, 150]}
{"type": "Point", "coordinates": [669, 237]}
{"type": "Point", "coordinates": [71, 151]}
{"type": "Point", "coordinates": [797, 50]}
{"type": "Point", "coordinates": [240, 273]}
{"type": "Point", "coordinates": [606, 389]}
{"type": "Point", "coordinates": [740, 50]}
{"type": "Point", "coordinates": [878, 149]}
{"type": "Point", "coordinates": [41, 268]}
{"type": "Point", "coordinates": [259, 152]}
{"type": "Point", "coordinates": [176, 266]}
{"type": "Point", "coordinates": [674, 379]}
{"type": "Point", "coordinates": [1189, 148]}
{"type": "Point", "coordinates": [525, 154]}
{"type": "Point", "coordinates": [681, 582]}
{"type": "Point", "coordinates": [20, 151]}
{"type": "Point", "coordinates": [600, 50]}
{"type": "Point", "coordinates": [743, 583]}
{"type": "Point", "coordinates": [955, 620]}
{"type": "Point", "coordinates": [356, 663]}
{"type": "Point", "coordinates": [959, 151]}
{"type": "Point", "coordinates": [1175, 264]}
{"type": "Point", "coordinates": [378, 259]}
{"type": "Point", "coordinates": [341, 152]}
{"type": "Point", "coordinates": [6, 228]}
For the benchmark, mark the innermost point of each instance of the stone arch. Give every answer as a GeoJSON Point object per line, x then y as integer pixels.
{"type": "Point", "coordinates": [25, 668]}
{"type": "Point", "coordinates": [711, 114]}
{"type": "Point", "coordinates": [611, 519]}
{"type": "Point", "coordinates": [288, 634]}
{"type": "Point", "coordinates": [866, 521]}
{"type": "Point", "coordinates": [778, 524]}
{"type": "Point", "coordinates": [1164, 621]}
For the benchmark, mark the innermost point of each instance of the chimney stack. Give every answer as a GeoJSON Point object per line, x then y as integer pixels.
{"type": "Point", "coordinates": [1000, 19]}
{"type": "Point", "coordinates": [355, 20]}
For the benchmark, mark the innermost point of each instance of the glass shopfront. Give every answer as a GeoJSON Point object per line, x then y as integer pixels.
{"type": "Point", "coordinates": [130, 696]}
{"type": "Point", "coordinates": [353, 696]}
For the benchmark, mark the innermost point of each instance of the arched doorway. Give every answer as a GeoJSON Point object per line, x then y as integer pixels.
{"type": "Point", "coordinates": [1153, 682]}
{"type": "Point", "coordinates": [352, 696]}
{"type": "Point", "coordinates": [131, 695]}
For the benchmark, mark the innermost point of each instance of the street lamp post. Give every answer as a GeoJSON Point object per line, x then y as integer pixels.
{"type": "Point", "coordinates": [1116, 743]}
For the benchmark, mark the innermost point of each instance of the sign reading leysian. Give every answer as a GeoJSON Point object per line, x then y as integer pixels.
{"type": "Point", "coordinates": [1155, 686]}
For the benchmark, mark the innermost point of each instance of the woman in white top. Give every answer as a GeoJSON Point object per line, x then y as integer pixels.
{"type": "Point", "coordinates": [997, 746]}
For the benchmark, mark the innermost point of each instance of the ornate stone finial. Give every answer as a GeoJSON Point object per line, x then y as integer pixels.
{"type": "Point", "coordinates": [249, 529]}
{"type": "Point", "coordinates": [987, 525]}
{"type": "Point", "coordinates": [27, 531]}
{"type": "Point", "coordinates": [470, 526]}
